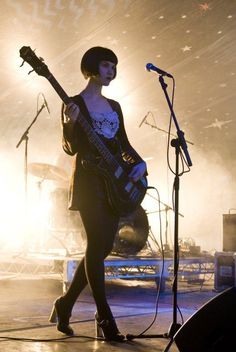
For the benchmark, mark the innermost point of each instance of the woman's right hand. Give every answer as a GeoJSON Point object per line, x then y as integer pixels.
{"type": "Point", "coordinates": [72, 111]}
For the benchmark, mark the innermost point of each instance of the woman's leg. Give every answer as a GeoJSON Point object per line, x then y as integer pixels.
{"type": "Point", "coordinates": [100, 226]}
{"type": "Point", "coordinates": [78, 283]}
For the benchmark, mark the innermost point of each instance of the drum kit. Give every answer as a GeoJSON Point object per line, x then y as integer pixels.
{"type": "Point", "coordinates": [48, 172]}
{"type": "Point", "coordinates": [58, 196]}
{"type": "Point", "coordinates": [133, 229]}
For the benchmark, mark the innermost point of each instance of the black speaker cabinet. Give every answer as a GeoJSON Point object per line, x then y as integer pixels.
{"type": "Point", "coordinates": [229, 232]}
{"type": "Point", "coordinates": [212, 328]}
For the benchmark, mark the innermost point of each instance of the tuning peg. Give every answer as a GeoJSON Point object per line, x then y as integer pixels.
{"type": "Point", "coordinates": [22, 63]}
{"type": "Point", "coordinates": [41, 58]}
{"type": "Point", "coordinates": [30, 72]}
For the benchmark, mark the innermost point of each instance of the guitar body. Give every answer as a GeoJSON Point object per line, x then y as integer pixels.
{"type": "Point", "coordinates": [123, 194]}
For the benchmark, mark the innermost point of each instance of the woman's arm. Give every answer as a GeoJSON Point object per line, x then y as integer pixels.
{"type": "Point", "coordinates": [69, 115]}
{"type": "Point", "coordinates": [129, 153]}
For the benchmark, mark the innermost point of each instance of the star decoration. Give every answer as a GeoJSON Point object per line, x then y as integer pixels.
{"type": "Point", "coordinates": [186, 48]}
{"type": "Point", "coordinates": [218, 124]}
{"type": "Point", "coordinates": [114, 42]}
{"type": "Point", "coordinates": [204, 7]}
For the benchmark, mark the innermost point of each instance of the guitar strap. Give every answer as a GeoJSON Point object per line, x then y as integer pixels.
{"type": "Point", "coordinates": [81, 103]}
{"type": "Point", "coordinates": [78, 99]}
{"type": "Point", "coordinates": [112, 145]}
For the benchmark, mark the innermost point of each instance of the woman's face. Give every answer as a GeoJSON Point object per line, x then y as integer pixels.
{"type": "Point", "coordinates": [106, 72]}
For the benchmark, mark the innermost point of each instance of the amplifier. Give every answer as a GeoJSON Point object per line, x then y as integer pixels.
{"type": "Point", "coordinates": [224, 270]}
{"type": "Point", "coordinates": [229, 232]}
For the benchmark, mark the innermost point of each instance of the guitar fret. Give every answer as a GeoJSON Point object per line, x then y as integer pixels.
{"type": "Point", "coordinates": [59, 89]}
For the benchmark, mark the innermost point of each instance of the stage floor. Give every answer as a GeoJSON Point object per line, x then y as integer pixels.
{"type": "Point", "coordinates": [26, 302]}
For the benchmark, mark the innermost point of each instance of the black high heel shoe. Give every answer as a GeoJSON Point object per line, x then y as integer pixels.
{"type": "Point", "coordinates": [107, 329]}
{"type": "Point", "coordinates": [60, 316]}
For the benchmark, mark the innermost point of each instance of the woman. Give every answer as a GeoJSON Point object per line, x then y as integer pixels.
{"type": "Point", "coordinates": [87, 190]}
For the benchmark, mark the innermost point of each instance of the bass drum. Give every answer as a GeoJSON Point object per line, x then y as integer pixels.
{"type": "Point", "coordinates": [132, 233]}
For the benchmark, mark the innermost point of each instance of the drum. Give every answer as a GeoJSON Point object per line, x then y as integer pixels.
{"type": "Point", "coordinates": [132, 233]}
{"type": "Point", "coordinates": [61, 218]}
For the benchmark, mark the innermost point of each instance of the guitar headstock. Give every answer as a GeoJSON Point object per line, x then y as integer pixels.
{"type": "Point", "coordinates": [29, 56]}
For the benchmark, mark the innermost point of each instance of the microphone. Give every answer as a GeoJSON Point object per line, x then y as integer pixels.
{"type": "Point", "coordinates": [151, 67]}
{"type": "Point", "coordinates": [143, 120]}
{"type": "Point", "coordinates": [45, 103]}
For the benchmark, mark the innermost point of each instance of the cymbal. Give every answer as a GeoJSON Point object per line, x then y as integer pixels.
{"type": "Point", "coordinates": [47, 171]}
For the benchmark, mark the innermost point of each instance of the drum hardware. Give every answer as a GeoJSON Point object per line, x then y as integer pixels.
{"type": "Point", "coordinates": [166, 246]}
{"type": "Point", "coordinates": [61, 218]}
{"type": "Point", "coordinates": [63, 225]}
{"type": "Point", "coordinates": [48, 172]}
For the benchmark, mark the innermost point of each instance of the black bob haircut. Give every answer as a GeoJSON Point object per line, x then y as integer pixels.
{"type": "Point", "coordinates": [92, 58]}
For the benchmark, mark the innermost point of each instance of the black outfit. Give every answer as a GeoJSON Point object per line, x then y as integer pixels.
{"type": "Point", "coordinates": [88, 195]}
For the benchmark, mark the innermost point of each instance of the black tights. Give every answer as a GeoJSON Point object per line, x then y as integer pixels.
{"type": "Point", "coordinates": [101, 226]}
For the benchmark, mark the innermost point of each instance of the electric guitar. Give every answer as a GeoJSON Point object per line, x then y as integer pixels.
{"type": "Point", "coordinates": [124, 195]}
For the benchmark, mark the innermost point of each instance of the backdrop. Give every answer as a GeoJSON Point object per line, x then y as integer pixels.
{"type": "Point", "coordinates": [193, 40]}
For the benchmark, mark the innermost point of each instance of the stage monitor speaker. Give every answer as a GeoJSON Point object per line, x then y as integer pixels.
{"type": "Point", "coordinates": [229, 232]}
{"type": "Point", "coordinates": [212, 328]}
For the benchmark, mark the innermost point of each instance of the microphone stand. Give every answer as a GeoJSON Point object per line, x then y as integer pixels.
{"type": "Point", "coordinates": [177, 143]}
{"type": "Point", "coordinates": [160, 129]}
{"type": "Point", "coordinates": [25, 138]}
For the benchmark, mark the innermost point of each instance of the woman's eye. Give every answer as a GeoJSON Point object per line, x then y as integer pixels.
{"type": "Point", "coordinates": [107, 65]}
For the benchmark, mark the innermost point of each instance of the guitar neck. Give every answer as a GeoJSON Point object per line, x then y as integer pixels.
{"type": "Point", "coordinates": [60, 91]}
{"type": "Point", "coordinates": [92, 136]}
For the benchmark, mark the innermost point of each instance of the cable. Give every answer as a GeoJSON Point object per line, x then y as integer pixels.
{"type": "Point", "coordinates": [4, 338]}
{"type": "Point", "coordinates": [169, 130]}
{"type": "Point", "coordinates": [182, 157]}
{"type": "Point", "coordinates": [162, 269]}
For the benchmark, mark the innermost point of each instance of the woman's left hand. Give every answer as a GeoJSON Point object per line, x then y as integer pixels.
{"type": "Point", "coordinates": [138, 171]}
